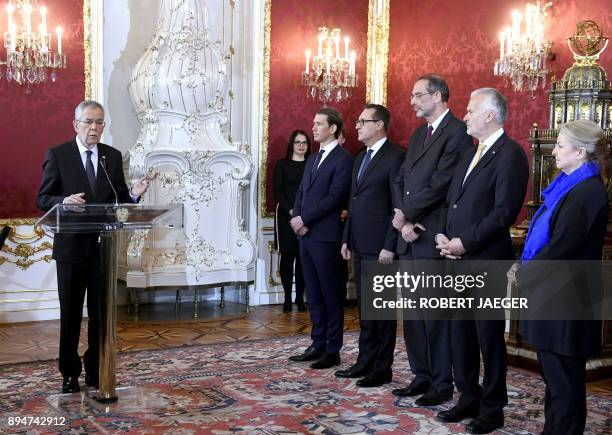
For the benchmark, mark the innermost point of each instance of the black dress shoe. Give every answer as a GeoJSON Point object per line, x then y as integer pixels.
{"type": "Point", "coordinates": [457, 413]}
{"type": "Point", "coordinates": [70, 385]}
{"type": "Point", "coordinates": [301, 307]}
{"type": "Point", "coordinates": [326, 361]}
{"type": "Point", "coordinates": [310, 354]}
{"type": "Point", "coordinates": [411, 390]}
{"type": "Point", "coordinates": [375, 380]}
{"type": "Point", "coordinates": [287, 307]}
{"type": "Point", "coordinates": [433, 398]}
{"type": "Point", "coordinates": [92, 380]}
{"type": "Point", "coordinates": [354, 371]}
{"type": "Point", "coordinates": [484, 426]}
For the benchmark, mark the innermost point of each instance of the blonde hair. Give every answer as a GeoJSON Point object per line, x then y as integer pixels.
{"type": "Point", "coordinates": [583, 133]}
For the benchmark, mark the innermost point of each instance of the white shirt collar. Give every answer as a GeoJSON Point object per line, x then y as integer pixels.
{"type": "Point", "coordinates": [377, 145]}
{"type": "Point", "coordinates": [330, 146]}
{"type": "Point", "coordinates": [493, 138]}
{"type": "Point", "coordinates": [439, 120]}
{"type": "Point", "coordinates": [83, 148]}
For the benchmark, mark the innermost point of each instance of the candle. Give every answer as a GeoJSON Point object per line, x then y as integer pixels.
{"type": "Point", "coordinates": [9, 10]}
{"type": "Point", "coordinates": [327, 61]}
{"type": "Point", "coordinates": [43, 29]}
{"type": "Point", "coordinates": [528, 19]}
{"type": "Point", "coordinates": [307, 61]}
{"type": "Point", "coordinates": [28, 12]}
{"type": "Point", "coordinates": [321, 37]}
{"type": "Point", "coordinates": [501, 45]}
{"type": "Point", "coordinates": [352, 63]}
{"type": "Point", "coordinates": [346, 47]}
{"type": "Point", "coordinates": [508, 41]}
{"type": "Point", "coordinates": [337, 41]}
{"type": "Point", "coordinates": [516, 25]}
{"type": "Point", "coordinates": [59, 40]}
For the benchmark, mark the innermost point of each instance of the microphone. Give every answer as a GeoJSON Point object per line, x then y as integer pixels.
{"type": "Point", "coordinates": [103, 164]}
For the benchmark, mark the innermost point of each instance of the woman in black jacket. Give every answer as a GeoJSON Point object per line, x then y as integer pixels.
{"type": "Point", "coordinates": [287, 177]}
{"type": "Point", "coordinates": [561, 275]}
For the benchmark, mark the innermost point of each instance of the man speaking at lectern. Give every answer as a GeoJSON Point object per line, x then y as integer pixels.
{"type": "Point", "coordinates": [82, 171]}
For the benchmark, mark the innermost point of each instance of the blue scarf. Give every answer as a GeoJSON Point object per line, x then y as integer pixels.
{"type": "Point", "coordinates": [539, 230]}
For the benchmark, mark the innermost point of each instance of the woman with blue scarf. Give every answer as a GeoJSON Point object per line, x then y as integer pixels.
{"type": "Point", "coordinates": [570, 225]}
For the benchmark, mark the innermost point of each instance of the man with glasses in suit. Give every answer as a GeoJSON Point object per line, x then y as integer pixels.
{"type": "Point", "coordinates": [73, 173]}
{"type": "Point", "coordinates": [420, 191]}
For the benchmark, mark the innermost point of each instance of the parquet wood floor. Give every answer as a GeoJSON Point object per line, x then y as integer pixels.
{"type": "Point", "coordinates": [38, 341]}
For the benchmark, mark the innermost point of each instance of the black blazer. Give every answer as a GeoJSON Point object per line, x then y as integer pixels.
{"type": "Point", "coordinates": [423, 179]}
{"type": "Point", "coordinates": [320, 199]}
{"type": "Point", "coordinates": [368, 228]}
{"type": "Point", "coordinates": [577, 232]}
{"type": "Point", "coordinates": [481, 211]}
{"type": "Point", "coordinates": [287, 177]}
{"type": "Point", "coordinates": [64, 175]}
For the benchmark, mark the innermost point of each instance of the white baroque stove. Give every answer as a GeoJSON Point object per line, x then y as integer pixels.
{"type": "Point", "coordinates": [178, 88]}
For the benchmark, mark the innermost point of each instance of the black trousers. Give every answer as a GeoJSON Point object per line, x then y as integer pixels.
{"type": "Point", "coordinates": [565, 408]}
{"type": "Point", "coordinates": [428, 339]}
{"type": "Point", "coordinates": [376, 337]}
{"type": "Point", "coordinates": [287, 260]}
{"type": "Point", "coordinates": [469, 338]}
{"type": "Point", "coordinates": [73, 279]}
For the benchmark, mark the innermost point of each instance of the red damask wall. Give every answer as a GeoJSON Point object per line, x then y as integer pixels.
{"type": "Point", "coordinates": [458, 40]}
{"type": "Point", "coordinates": [294, 28]}
{"type": "Point", "coordinates": [31, 123]}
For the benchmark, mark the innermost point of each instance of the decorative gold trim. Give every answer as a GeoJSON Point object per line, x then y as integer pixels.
{"type": "Point", "coordinates": [231, 66]}
{"type": "Point", "coordinates": [266, 111]}
{"type": "Point", "coordinates": [87, 47]}
{"type": "Point", "coordinates": [25, 264]}
{"type": "Point", "coordinates": [24, 248]}
{"type": "Point", "coordinates": [17, 301]}
{"type": "Point", "coordinates": [18, 221]}
{"type": "Point", "coordinates": [378, 51]}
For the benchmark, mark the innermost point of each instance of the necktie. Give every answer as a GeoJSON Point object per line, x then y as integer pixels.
{"type": "Point", "coordinates": [89, 170]}
{"type": "Point", "coordinates": [475, 159]}
{"type": "Point", "coordinates": [316, 163]}
{"type": "Point", "coordinates": [364, 164]}
{"type": "Point", "coordinates": [428, 134]}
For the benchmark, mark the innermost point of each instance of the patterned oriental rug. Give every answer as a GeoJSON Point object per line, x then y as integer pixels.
{"type": "Point", "coordinates": [250, 388]}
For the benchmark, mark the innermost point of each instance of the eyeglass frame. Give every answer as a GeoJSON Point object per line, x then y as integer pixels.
{"type": "Point", "coordinates": [361, 122]}
{"type": "Point", "coordinates": [90, 122]}
{"type": "Point", "coordinates": [418, 95]}
{"type": "Point", "coordinates": [300, 142]}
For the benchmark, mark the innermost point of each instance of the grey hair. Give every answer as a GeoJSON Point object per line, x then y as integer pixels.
{"type": "Point", "coordinates": [78, 111]}
{"type": "Point", "coordinates": [493, 101]}
{"type": "Point", "coordinates": [586, 134]}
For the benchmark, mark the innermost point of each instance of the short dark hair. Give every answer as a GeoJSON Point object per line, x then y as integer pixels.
{"type": "Point", "coordinates": [436, 83]}
{"type": "Point", "coordinates": [333, 118]}
{"type": "Point", "coordinates": [294, 134]}
{"type": "Point", "coordinates": [381, 113]}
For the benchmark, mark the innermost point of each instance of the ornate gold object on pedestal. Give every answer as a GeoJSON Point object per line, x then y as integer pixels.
{"type": "Point", "coordinates": [584, 93]}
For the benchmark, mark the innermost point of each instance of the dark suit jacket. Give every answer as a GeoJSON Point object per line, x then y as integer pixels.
{"type": "Point", "coordinates": [481, 211]}
{"type": "Point", "coordinates": [64, 175]}
{"type": "Point", "coordinates": [368, 229]}
{"type": "Point", "coordinates": [320, 199]}
{"type": "Point", "coordinates": [577, 232]}
{"type": "Point", "coordinates": [422, 182]}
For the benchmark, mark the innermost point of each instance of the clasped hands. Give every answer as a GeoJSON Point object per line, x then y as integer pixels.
{"type": "Point", "coordinates": [406, 229]}
{"type": "Point", "coordinates": [452, 248]}
{"type": "Point", "coordinates": [298, 227]}
{"type": "Point", "coordinates": [384, 257]}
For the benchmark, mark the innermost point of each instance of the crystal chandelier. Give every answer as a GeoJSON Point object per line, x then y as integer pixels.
{"type": "Point", "coordinates": [30, 59]}
{"type": "Point", "coordinates": [523, 54]}
{"type": "Point", "coordinates": [330, 76]}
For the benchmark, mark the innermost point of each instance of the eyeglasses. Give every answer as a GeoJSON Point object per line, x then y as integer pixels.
{"type": "Point", "coordinates": [300, 142]}
{"type": "Point", "coordinates": [361, 122]}
{"type": "Point", "coordinates": [90, 122]}
{"type": "Point", "coordinates": [418, 95]}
